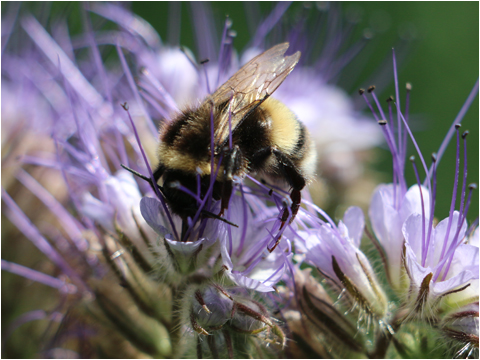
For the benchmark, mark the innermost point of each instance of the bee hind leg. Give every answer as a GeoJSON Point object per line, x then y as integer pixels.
{"type": "Point", "coordinates": [297, 182]}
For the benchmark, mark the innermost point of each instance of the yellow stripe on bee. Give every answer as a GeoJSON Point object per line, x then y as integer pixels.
{"type": "Point", "coordinates": [285, 128]}
{"type": "Point", "coordinates": [176, 160]}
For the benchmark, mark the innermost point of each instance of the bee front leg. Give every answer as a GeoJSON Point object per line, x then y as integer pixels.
{"type": "Point", "coordinates": [227, 190]}
{"type": "Point", "coordinates": [233, 164]}
{"type": "Point", "coordinates": [157, 174]}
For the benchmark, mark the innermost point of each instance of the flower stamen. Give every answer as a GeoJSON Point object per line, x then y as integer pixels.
{"type": "Point", "coordinates": [454, 193]}
{"type": "Point", "coordinates": [458, 118]}
{"type": "Point", "coordinates": [432, 202]}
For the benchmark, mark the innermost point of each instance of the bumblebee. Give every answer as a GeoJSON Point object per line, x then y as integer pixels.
{"type": "Point", "coordinates": [252, 133]}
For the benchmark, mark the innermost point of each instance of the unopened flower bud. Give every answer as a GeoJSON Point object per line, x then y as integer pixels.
{"type": "Point", "coordinates": [462, 326]}
{"type": "Point", "coordinates": [211, 308]}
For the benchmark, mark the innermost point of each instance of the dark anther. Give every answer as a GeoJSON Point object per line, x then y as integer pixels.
{"type": "Point", "coordinates": [465, 133]}
{"type": "Point", "coordinates": [458, 126]}
{"type": "Point", "coordinates": [472, 186]}
{"type": "Point", "coordinates": [361, 91]}
{"type": "Point", "coordinates": [390, 98]}
{"type": "Point", "coordinates": [434, 157]}
{"type": "Point", "coordinates": [371, 88]}
{"type": "Point", "coordinates": [203, 62]}
{"type": "Point", "coordinates": [125, 106]}
{"type": "Point", "coordinates": [382, 122]}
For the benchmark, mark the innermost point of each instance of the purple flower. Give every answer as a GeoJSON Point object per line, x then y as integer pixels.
{"type": "Point", "coordinates": [388, 211]}
{"type": "Point", "coordinates": [444, 272]}
{"type": "Point", "coordinates": [435, 257]}
{"type": "Point", "coordinates": [244, 249]}
{"type": "Point", "coordinates": [122, 205]}
{"type": "Point", "coordinates": [334, 250]}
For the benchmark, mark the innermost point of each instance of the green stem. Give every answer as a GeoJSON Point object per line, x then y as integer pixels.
{"type": "Point", "coordinates": [386, 335]}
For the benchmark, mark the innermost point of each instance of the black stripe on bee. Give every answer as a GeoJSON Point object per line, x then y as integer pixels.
{"type": "Point", "coordinates": [299, 147]}
{"type": "Point", "coordinates": [175, 127]}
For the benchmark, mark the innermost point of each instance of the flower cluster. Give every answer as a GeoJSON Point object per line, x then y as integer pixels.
{"type": "Point", "coordinates": [132, 279]}
{"type": "Point", "coordinates": [430, 266]}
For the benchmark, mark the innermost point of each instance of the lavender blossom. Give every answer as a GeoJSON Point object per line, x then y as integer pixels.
{"type": "Point", "coordinates": [431, 268]}
{"type": "Point", "coordinates": [430, 265]}
{"type": "Point", "coordinates": [335, 251]}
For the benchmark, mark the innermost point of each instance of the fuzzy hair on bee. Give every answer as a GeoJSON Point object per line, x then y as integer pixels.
{"type": "Point", "coordinates": [252, 134]}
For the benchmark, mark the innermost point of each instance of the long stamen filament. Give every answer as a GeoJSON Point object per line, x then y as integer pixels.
{"type": "Point", "coordinates": [457, 120]}
{"type": "Point", "coordinates": [417, 148]}
{"type": "Point", "coordinates": [456, 240]}
{"type": "Point", "coordinates": [454, 194]}
{"type": "Point", "coordinates": [432, 200]}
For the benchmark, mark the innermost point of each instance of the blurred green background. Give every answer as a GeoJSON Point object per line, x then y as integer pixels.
{"type": "Point", "coordinates": [442, 65]}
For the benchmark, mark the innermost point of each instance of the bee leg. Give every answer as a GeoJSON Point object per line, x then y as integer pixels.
{"type": "Point", "coordinates": [227, 190]}
{"type": "Point", "coordinates": [157, 174]}
{"type": "Point", "coordinates": [296, 197]}
{"type": "Point", "coordinates": [232, 164]}
{"type": "Point", "coordinates": [295, 179]}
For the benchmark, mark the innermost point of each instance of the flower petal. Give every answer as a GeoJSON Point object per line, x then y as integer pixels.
{"type": "Point", "coordinates": [355, 222]}
{"type": "Point", "coordinates": [249, 283]}
{"type": "Point", "coordinates": [150, 209]}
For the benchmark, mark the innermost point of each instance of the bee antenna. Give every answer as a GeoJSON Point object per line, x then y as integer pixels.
{"type": "Point", "coordinates": [215, 216]}
{"type": "Point", "coordinates": [141, 176]}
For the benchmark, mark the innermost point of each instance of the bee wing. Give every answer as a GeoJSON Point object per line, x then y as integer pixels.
{"type": "Point", "coordinates": [250, 86]}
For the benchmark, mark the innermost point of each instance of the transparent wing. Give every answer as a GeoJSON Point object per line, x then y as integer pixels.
{"type": "Point", "coordinates": [250, 86]}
